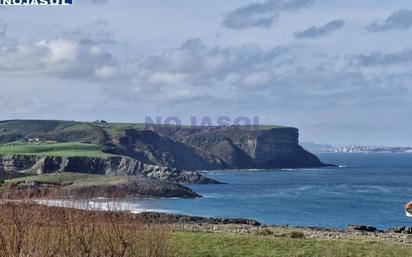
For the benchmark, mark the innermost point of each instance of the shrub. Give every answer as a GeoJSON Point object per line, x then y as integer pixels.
{"type": "Point", "coordinates": [31, 230]}
{"type": "Point", "coordinates": [263, 232]}
{"type": "Point", "coordinates": [297, 235]}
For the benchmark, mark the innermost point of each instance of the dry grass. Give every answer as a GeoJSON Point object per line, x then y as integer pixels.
{"type": "Point", "coordinates": [28, 231]}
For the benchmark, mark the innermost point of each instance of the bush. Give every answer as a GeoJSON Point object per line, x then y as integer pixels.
{"type": "Point", "coordinates": [297, 235]}
{"type": "Point", "coordinates": [263, 232]}
{"type": "Point", "coordinates": [29, 230]}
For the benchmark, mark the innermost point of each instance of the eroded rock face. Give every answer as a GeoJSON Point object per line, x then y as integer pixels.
{"type": "Point", "coordinates": [117, 165]}
{"type": "Point", "coordinates": [280, 148]}
{"type": "Point", "coordinates": [151, 148]}
{"type": "Point", "coordinates": [175, 175]}
{"type": "Point", "coordinates": [243, 148]}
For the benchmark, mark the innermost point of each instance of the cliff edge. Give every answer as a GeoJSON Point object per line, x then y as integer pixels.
{"type": "Point", "coordinates": [164, 152]}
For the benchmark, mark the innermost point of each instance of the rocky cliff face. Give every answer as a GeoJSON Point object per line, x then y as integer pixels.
{"type": "Point", "coordinates": [117, 165]}
{"type": "Point", "coordinates": [150, 147]}
{"type": "Point", "coordinates": [279, 148]}
{"type": "Point", "coordinates": [160, 151]}
{"type": "Point", "coordinates": [244, 148]}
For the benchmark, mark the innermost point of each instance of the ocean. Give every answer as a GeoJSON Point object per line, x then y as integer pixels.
{"type": "Point", "coordinates": [367, 189]}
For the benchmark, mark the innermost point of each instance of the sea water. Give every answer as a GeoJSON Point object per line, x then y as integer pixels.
{"type": "Point", "coordinates": [368, 189]}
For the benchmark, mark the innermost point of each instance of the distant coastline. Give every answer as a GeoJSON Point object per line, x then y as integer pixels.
{"type": "Point", "coordinates": [321, 148]}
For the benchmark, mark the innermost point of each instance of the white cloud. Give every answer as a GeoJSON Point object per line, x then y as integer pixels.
{"type": "Point", "coordinates": [166, 78]}
{"type": "Point", "coordinates": [60, 50]}
{"type": "Point", "coordinates": [106, 72]}
{"type": "Point", "coordinates": [56, 58]}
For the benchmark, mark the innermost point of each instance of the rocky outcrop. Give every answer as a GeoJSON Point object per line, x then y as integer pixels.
{"type": "Point", "coordinates": [401, 230]}
{"type": "Point", "coordinates": [175, 175]}
{"type": "Point", "coordinates": [116, 165]}
{"type": "Point", "coordinates": [362, 228]}
{"type": "Point", "coordinates": [136, 186]}
{"type": "Point", "coordinates": [165, 218]}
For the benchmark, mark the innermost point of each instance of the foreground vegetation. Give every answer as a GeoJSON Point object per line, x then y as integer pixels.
{"type": "Point", "coordinates": [54, 149]}
{"type": "Point", "coordinates": [27, 230]}
{"type": "Point", "coordinates": [31, 230]}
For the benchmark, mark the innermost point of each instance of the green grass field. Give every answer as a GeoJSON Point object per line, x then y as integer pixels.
{"type": "Point", "coordinates": [60, 149]}
{"type": "Point", "coordinates": [226, 245]}
{"type": "Point", "coordinates": [76, 180]}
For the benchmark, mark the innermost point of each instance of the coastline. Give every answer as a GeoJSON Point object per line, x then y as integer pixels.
{"type": "Point", "coordinates": [241, 226]}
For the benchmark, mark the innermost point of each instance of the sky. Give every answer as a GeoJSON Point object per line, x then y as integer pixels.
{"type": "Point", "coordinates": [339, 70]}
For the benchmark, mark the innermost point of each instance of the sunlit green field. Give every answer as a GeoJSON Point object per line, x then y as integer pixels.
{"type": "Point", "coordinates": [60, 149]}
{"type": "Point", "coordinates": [226, 245]}
{"type": "Point", "coordinates": [75, 180]}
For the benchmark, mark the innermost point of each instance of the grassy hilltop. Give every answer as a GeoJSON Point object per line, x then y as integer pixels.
{"type": "Point", "coordinates": [71, 131]}
{"type": "Point", "coordinates": [57, 149]}
{"type": "Point", "coordinates": [61, 131]}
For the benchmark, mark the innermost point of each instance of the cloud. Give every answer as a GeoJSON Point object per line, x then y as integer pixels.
{"type": "Point", "coordinates": [61, 58]}
{"type": "Point", "coordinates": [401, 19]}
{"type": "Point", "coordinates": [293, 76]}
{"type": "Point", "coordinates": [261, 14]}
{"type": "Point", "coordinates": [315, 32]}
{"type": "Point", "coordinates": [196, 72]}
{"type": "Point", "coordinates": [384, 59]}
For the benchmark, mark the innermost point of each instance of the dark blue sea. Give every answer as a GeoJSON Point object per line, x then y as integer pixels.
{"type": "Point", "coordinates": [368, 189]}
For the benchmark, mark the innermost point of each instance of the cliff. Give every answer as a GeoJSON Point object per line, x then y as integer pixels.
{"type": "Point", "coordinates": [165, 151]}
{"type": "Point", "coordinates": [240, 148]}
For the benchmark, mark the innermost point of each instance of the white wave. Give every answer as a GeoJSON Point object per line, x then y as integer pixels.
{"type": "Point", "coordinates": [99, 205]}
{"type": "Point", "coordinates": [137, 211]}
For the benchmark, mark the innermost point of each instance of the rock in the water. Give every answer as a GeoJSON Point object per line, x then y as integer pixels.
{"type": "Point", "coordinates": [401, 230]}
{"type": "Point", "coordinates": [361, 228]}
{"type": "Point", "coordinates": [165, 218]}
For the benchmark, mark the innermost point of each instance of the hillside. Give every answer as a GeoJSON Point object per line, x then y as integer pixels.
{"type": "Point", "coordinates": [75, 131]}
{"type": "Point", "coordinates": [184, 148]}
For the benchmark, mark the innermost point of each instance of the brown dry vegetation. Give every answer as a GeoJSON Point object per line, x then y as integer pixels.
{"type": "Point", "coordinates": [26, 230]}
